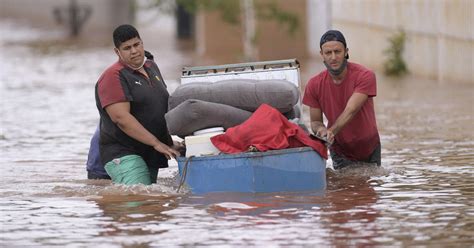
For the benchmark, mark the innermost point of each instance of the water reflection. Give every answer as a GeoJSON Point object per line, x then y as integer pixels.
{"type": "Point", "coordinates": [131, 214]}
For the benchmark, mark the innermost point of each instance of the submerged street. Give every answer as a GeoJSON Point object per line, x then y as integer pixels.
{"type": "Point", "coordinates": [422, 195]}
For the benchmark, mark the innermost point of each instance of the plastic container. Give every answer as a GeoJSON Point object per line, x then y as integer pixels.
{"type": "Point", "coordinates": [200, 143]}
{"type": "Point", "coordinates": [217, 130]}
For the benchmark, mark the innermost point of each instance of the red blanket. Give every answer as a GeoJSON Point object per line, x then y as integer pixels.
{"type": "Point", "coordinates": [267, 129]}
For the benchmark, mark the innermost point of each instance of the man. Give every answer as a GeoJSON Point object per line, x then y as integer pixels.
{"type": "Point", "coordinates": [132, 100]}
{"type": "Point", "coordinates": [344, 94]}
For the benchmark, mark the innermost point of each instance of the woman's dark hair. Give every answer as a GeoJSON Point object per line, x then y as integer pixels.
{"type": "Point", "coordinates": [123, 33]}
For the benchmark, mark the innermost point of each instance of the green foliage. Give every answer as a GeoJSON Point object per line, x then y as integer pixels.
{"type": "Point", "coordinates": [394, 65]}
{"type": "Point", "coordinates": [230, 11]}
{"type": "Point", "coordinates": [271, 11]}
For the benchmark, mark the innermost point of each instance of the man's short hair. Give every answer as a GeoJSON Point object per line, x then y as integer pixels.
{"type": "Point", "coordinates": [124, 33]}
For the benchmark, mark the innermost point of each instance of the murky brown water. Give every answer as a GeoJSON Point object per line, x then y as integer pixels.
{"type": "Point", "coordinates": [422, 196]}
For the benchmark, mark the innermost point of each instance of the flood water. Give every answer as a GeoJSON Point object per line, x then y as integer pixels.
{"type": "Point", "coordinates": [423, 195]}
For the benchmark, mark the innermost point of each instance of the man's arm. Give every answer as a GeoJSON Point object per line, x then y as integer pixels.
{"type": "Point", "coordinates": [353, 106]}
{"type": "Point", "coordinates": [316, 119]}
{"type": "Point", "coordinates": [120, 115]}
{"type": "Point", "coordinates": [317, 125]}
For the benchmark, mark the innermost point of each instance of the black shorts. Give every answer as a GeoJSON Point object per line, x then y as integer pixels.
{"type": "Point", "coordinates": [339, 161]}
{"type": "Point", "coordinates": [92, 175]}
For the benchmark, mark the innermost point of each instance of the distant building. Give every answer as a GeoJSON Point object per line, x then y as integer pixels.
{"type": "Point", "coordinates": [439, 43]}
{"type": "Point", "coordinates": [270, 39]}
{"type": "Point", "coordinates": [440, 34]}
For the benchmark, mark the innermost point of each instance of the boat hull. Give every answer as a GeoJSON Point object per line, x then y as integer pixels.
{"type": "Point", "coordinates": [295, 169]}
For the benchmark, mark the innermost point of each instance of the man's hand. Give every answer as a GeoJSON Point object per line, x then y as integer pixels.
{"type": "Point", "coordinates": [317, 125]}
{"type": "Point", "coordinates": [166, 150]}
{"type": "Point", "coordinates": [179, 146]}
{"type": "Point", "coordinates": [326, 134]}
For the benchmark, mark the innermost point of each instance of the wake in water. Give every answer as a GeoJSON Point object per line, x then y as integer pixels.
{"type": "Point", "coordinates": [85, 188]}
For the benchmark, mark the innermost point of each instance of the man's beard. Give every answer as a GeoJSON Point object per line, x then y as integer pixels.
{"type": "Point", "coordinates": [338, 71]}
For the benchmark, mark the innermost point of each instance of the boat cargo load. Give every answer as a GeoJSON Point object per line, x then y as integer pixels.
{"type": "Point", "coordinates": [224, 96]}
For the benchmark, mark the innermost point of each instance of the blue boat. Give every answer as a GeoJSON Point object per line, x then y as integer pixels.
{"type": "Point", "coordinates": [295, 169]}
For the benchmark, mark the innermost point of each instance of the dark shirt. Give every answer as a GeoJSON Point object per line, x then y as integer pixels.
{"type": "Point", "coordinates": [148, 99]}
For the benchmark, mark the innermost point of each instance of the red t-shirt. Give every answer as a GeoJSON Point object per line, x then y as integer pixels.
{"type": "Point", "coordinates": [359, 137]}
